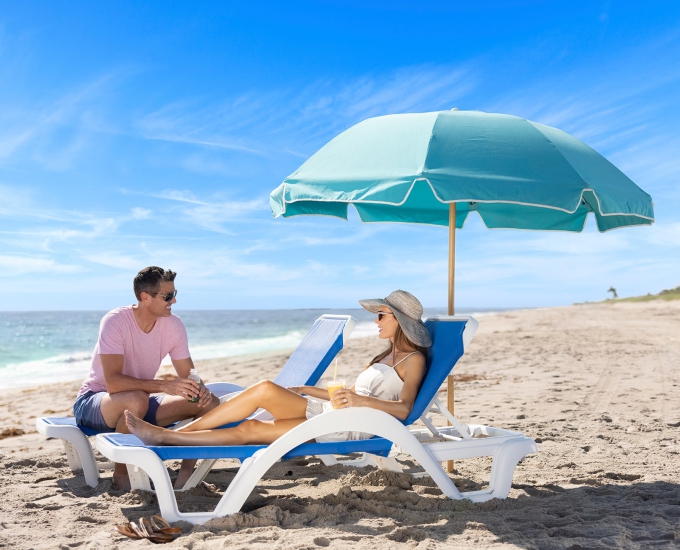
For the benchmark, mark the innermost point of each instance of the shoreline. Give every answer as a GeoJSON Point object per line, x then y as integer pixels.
{"type": "Point", "coordinates": [210, 361]}
{"type": "Point", "coordinates": [595, 385]}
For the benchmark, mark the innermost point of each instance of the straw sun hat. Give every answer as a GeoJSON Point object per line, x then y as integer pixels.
{"type": "Point", "coordinates": [408, 311]}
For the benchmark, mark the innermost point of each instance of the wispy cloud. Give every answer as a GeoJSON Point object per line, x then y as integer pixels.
{"type": "Point", "coordinates": [117, 260]}
{"type": "Point", "coordinates": [214, 213]}
{"type": "Point", "coordinates": [139, 213]}
{"type": "Point", "coordinates": [53, 133]}
{"type": "Point", "coordinates": [269, 122]}
{"type": "Point", "coordinates": [11, 266]}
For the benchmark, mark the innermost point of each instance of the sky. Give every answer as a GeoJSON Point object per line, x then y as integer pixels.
{"type": "Point", "coordinates": [151, 133]}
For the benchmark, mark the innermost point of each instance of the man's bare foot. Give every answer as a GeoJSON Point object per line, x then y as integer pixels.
{"type": "Point", "coordinates": [121, 483]}
{"type": "Point", "coordinates": [148, 433]}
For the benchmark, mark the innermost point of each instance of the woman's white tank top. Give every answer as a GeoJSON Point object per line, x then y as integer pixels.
{"type": "Point", "coordinates": [381, 381]}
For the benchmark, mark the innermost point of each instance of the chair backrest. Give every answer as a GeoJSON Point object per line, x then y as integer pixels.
{"type": "Point", "coordinates": [447, 348]}
{"type": "Point", "coordinates": [314, 354]}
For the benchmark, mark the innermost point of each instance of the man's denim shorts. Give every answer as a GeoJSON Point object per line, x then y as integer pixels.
{"type": "Point", "coordinates": [87, 411]}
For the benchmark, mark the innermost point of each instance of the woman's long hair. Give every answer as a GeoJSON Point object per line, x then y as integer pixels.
{"type": "Point", "coordinates": [401, 343]}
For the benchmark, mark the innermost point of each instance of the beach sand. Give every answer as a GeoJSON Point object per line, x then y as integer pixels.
{"type": "Point", "coordinates": [596, 385]}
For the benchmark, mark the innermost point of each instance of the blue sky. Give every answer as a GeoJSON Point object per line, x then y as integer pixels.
{"type": "Point", "coordinates": [152, 133]}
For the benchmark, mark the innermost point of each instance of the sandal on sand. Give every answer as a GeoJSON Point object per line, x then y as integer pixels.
{"type": "Point", "coordinates": [161, 525]}
{"type": "Point", "coordinates": [143, 530]}
{"type": "Point", "coordinates": [125, 529]}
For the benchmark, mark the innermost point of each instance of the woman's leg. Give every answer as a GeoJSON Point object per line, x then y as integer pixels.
{"type": "Point", "coordinates": [247, 433]}
{"type": "Point", "coordinates": [280, 402]}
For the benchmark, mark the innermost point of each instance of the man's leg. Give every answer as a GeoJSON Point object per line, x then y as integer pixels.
{"type": "Point", "coordinates": [174, 408]}
{"type": "Point", "coordinates": [112, 407]}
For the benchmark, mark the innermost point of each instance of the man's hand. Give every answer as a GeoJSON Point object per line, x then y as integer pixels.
{"type": "Point", "coordinates": [184, 388]}
{"type": "Point", "coordinates": [204, 396]}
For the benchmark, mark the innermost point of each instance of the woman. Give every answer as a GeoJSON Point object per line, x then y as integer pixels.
{"type": "Point", "coordinates": [390, 383]}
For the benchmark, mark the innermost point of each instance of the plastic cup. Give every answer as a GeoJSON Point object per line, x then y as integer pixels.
{"type": "Point", "coordinates": [334, 385]}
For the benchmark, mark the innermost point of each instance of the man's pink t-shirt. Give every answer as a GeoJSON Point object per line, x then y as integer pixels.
{"type": "Point", "coordinates": [120, 334]}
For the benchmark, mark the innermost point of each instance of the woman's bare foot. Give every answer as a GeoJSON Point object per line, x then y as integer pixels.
{"type": "Point", "coordinates": [148, 433]}
{"type": "Point", "coordinates": [185, 471]}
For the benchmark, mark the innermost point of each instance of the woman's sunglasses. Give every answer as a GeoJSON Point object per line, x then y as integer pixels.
{"type": "Point", "coordinates": [381, 314]}
{"type": "Point", "coordinates": [167, 297]}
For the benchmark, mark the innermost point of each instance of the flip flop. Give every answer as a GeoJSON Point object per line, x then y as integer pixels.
{"type": "Point", "coordinates": [161, 525]}
{"type": "Point", "coordinates": [145, 532]}
{"type": "Point", "coordinates": [125, 529]}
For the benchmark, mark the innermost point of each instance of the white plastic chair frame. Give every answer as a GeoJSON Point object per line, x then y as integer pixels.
{"type": "Point", "coordinates": [79, 452]}
{"type": "Point", "coordinates": [429, 447]}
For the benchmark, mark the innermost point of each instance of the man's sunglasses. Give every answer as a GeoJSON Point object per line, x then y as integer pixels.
{"type": "Point", "coordinates": [381, 314]}
{"type": "Point", "coordinates": [167, 297]}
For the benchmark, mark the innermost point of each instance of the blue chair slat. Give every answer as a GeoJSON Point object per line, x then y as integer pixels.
{"type": "Point", "coordinates": [377, 445]}
{"type": "Point", "coordinates": [314, 354]}
{"type": "Point", "coordinates": [441, 358]}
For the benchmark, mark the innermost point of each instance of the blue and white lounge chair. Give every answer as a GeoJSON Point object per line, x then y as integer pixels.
{"type": "Point", "coordinates": [304, 367]}
{"type": "Point", "coordinates": [458, 441]}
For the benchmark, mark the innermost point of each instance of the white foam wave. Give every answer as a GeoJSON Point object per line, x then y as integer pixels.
{"type": "Point", "coordinates": [59, 368]}
{"type": "Point", "coordinates": [365, 329]}
{"type": "Point", "coordinates": [246, 346]}
{"type": "Point", "coordinates": [63, 368]}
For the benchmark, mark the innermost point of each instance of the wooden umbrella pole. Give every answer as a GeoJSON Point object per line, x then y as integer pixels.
{"type": "Point", "coordinates": [452, 266]}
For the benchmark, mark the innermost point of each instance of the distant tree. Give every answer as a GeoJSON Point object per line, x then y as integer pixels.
{"type": "Point", "coordinates": [613, 291]}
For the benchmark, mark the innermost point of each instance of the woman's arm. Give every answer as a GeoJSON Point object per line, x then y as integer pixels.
{"type": "Point", "coordinates": [412, 374]}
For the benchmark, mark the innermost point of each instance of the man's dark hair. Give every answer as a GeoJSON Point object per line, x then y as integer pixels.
{"type": "Point", "coordinates": [149, 280]}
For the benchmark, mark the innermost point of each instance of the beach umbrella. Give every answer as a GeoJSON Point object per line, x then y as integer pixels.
{"type": "Point", "coordinates": [437, 167]}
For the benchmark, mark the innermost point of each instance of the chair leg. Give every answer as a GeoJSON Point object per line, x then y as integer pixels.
{"type": "Point", "coordinates": [328, 460]}
{"type": "Point", "coordinates": [138, 478]}
{"type": "Point", "coordinates": [367, 459]}
{"type": "Point", "coordinates": [388, 463]}
{"type": "Point", "coordinates": [81, 456]}
{"type": "Point", "coordinates": [505, 461]}
{"type": "Point", "coordinates": [198, 474]}
{"type": "Point", "coordinates": [72, 456]}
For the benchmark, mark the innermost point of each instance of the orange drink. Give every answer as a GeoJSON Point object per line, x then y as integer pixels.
{"type": "Point", "coordinates": [334, 385]}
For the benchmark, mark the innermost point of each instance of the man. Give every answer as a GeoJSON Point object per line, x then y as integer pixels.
{"type": "Point", "coordinates": [133, 340]}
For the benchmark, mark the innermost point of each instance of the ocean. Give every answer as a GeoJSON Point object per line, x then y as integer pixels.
{"type": "Point", "coordinates": [40, 347]}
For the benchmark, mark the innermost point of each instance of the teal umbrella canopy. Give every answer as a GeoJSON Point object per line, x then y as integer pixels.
{"type": "Point", "coordinates": [513, 172]}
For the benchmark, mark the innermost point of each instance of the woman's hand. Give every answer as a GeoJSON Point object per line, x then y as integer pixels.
{"type": "Point", "coordinates": [347, 398]}
{"type": "Point", "coordinates": [296, 389]}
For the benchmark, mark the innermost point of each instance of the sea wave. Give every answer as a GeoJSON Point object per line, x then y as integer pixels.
{"type": "Point", "coordinates": [246, 346]}
{"type": "Point", "coordinates": [19, 366]}
{"type": "Point", "coordinates": [59, 368]}
{"type": "Point", "coordinates": [76, 366]}
{"type": "Point", "coordinates": [365, 330]}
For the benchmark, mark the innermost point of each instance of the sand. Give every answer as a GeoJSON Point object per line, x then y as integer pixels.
{"type": "Point", "coordinates": [596, 385]}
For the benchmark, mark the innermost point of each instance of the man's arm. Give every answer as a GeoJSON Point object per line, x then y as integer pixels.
{"type": "Point", "coordinates": [182, 366]}
{"type": "Point", "coordinates": [116, 381]}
